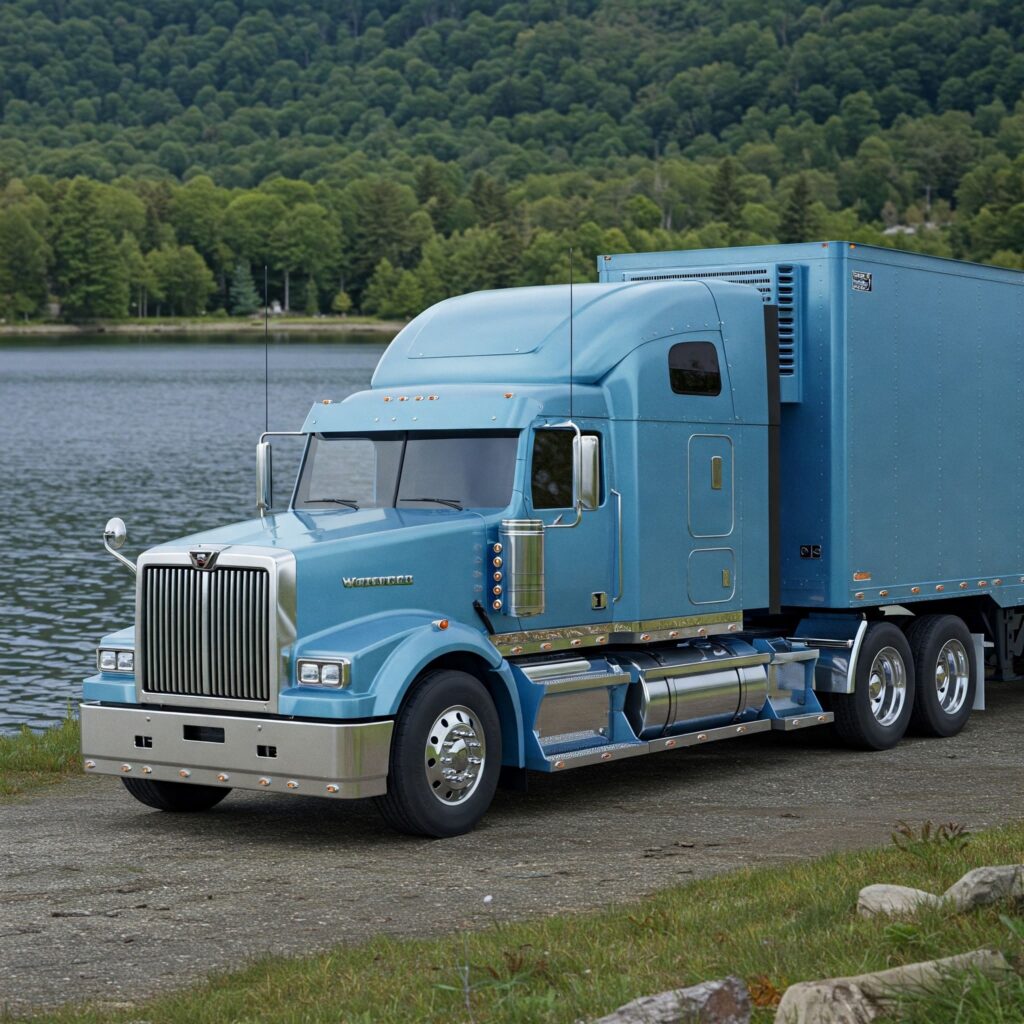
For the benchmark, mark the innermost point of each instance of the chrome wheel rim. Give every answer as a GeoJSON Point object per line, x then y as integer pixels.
{"type": "Point", "coordinates": [455, 755]}
{"type": "Point", "coordinates": [887, 686]}
{"type": "Point", "coordinates": [952, 676]}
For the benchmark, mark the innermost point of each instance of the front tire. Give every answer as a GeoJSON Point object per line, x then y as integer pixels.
{"type": "Point", "coordinates": [876, 715]}
{"type": "Point", "coordinates": [175, 796]}
{"type": "Point", "coordinates": [445, 757]}
{"type": "Point", "coordinates": [947, 674]}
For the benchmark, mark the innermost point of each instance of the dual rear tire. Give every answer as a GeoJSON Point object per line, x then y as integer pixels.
{"type": "Point", "coordinates": [923, 680]}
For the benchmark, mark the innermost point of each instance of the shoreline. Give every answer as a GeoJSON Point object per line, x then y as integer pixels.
{"type": "Point", "coordinates": [278, 325]}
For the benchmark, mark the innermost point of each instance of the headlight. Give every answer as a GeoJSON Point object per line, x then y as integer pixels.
{"type": "Point", "coordinates": [115, 660]}
{"type": "Point", "coordinates": [333, 673]}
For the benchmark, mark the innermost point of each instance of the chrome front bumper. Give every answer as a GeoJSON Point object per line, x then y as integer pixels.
{"type": "Point", "coordinates": [343, 760]}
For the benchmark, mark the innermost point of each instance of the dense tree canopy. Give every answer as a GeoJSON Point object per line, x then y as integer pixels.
{"type": "Point", "coordinates": [397, 151]}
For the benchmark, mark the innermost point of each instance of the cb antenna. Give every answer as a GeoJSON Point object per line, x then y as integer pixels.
{"type": "Point", "coordinates": [266, 353]}
{"type": "Point", "coordinates": [570, 332]}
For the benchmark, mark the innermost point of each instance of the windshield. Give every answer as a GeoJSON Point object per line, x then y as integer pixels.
{"type": "Point", "coordinates": [401, 470]}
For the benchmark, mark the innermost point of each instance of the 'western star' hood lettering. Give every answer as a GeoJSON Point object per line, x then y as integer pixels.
{"type": "Point", "coordinates": [377, 581]}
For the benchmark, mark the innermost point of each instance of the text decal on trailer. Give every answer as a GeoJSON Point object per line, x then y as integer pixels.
{"type": "Point", "coordinates": [861, 281]}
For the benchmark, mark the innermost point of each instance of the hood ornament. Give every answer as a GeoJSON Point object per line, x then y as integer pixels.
{"type": "Point", "coordinates": [203, 559]}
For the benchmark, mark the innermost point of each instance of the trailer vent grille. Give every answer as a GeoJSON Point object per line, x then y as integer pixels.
{"type": "Point", "coordinates": [205, 633]}
{"type": "Point", "coordinates": [759, 277]}
{"type": "Point", "coordinates": [785, 300]}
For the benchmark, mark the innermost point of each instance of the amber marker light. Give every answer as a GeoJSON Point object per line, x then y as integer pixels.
{"type": "Point", "coordinates": [861, 577]}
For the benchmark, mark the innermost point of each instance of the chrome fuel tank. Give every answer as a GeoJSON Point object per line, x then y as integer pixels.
{"type": "Point", "coordinates": [700, 685]}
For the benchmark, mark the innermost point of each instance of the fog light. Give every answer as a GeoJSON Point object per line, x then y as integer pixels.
{"type": "Point", "coordinates": [108, 661]}
{"type": "Point", "coordinates": [309, 672]}
{"type": "Point", "coordinates": [330, 675]}
{"type": "Point", "coordinates": [125, 661]}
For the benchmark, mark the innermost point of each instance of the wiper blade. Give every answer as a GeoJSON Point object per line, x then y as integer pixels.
{"type": "Point", "coordinates": [339, 501]}
{"type": "Point", "coordinates": [450, 502]}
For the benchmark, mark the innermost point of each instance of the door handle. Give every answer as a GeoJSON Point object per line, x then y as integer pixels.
{"type": "Point", "coordinates": [716, 472]}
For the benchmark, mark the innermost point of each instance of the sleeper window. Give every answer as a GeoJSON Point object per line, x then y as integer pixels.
{"type": "Point", "coordinates": [693, 368]}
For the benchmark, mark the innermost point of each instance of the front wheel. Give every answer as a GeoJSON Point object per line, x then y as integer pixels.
{"type": "Point", "coordinates": [175, 796]}
{"type": "Point", "coordinates": [445, 757]}
{"type": "Point", "coordinates": [876, 715]}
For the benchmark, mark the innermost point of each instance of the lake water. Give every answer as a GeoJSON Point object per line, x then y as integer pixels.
{"type": "Point", "coordinates": [162, 433]}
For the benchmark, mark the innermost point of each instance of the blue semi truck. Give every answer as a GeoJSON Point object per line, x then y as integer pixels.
{"type": "Point", "coordinates": [715, 494]}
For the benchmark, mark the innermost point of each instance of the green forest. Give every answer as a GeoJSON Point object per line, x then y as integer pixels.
{"type": "Point", "coordinates": [379, 156]}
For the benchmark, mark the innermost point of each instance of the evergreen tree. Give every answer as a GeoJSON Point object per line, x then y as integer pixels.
{"type": "Point", "coordinates": [23, 258]}
{"type": "Point", "coordinates": [798, 223]}
{"type": "Point", "coordinates": [244, 297]}
{"type": "Point", "coordinates": [312, 304]}
{"type": "Point", "coordinates": [91, 276]}
{"type": "Point", "coordinates": [341, 303]}
{"type": "Point", "coordinates": [726, 195]}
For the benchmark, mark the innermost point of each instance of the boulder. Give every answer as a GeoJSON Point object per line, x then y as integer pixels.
{"type": "Point", "coordinates": [894, 901]}
{"type": "Point", "coordinates": [861, 999]}
{"type": "Point", "coordinates": [712, 1002]}
{"type": "Point", "coordinates": [987, 885]}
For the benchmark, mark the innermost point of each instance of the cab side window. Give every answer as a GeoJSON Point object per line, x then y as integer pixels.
{"type": "Point", "coordinates": [551, 474]}
{"type": "Point", "coordinates": [693, 368]}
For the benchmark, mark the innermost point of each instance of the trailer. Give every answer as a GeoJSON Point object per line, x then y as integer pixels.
{"type": "Point", "coordinates": [715, 494]}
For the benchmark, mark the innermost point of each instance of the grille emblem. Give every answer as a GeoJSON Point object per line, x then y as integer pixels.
{"type": "Point", "coordinates": [203, 559]}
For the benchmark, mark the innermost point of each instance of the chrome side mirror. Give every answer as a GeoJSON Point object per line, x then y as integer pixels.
{"type": "Point", "coordinates": [115, 533]}
{"type": "Point", "coordinates": [587, 466]}
{"type": "Point", "coordinates": [264, 478]}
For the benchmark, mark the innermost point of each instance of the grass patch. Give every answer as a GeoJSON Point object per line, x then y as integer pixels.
{"type": "Point", "coordinates": [29, 759]}
{"type": "Point", "coordinates": [771, 926]}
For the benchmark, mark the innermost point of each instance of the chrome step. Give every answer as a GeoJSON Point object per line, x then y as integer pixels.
{"type": "Point", "coordinates": [802, 721]}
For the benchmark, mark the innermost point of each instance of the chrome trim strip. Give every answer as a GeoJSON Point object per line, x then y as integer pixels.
{"type": "Point", "coordinates": [619, 751]}
{"type": "Point", "coordinates": [590, 681]}
{"type": "Point", "coordinates": [699, 668]}
{"type": "Point", "coordinates": [540, 641]}
{"type": "Point", "coordinates": [618, 545]}
{"type": "Point", "coordinates": [280, 566]}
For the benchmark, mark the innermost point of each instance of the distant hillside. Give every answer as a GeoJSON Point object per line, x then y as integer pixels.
{"type": "Point", "coordinates": [509, 125]}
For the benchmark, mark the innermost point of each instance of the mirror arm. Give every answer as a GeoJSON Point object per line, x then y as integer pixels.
{"type": "Point", "coordinates": [577, 501]}
{"type": "Point", "coordinates": [126, 562]}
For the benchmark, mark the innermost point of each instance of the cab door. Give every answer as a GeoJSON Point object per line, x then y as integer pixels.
{"type": "Point", "coordinates": [579, 560]}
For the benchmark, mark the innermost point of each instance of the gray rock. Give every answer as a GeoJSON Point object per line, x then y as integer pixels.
{"type": "Point", "coordinates": [712, 1002]}
{"type": "Point", "coordinates": [894, 901]}
{"type": "Point", "coordinates": [861, 999]}
{"type": "Point", "coordinates": [839, 1001]}
{"type": "Point", "coordinates": [987, 885]}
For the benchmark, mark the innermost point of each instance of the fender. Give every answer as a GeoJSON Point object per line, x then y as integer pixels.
{"type": "Point", "coordinates": [422, 646]}
{"type": "Point", "coordinates": [387, 652]}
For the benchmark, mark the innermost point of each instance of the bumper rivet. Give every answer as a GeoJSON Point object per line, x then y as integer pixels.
{"type": "Point", "coordinates": [126, 767]}
{"type": "Point", "coordinates": [146, 770]}
{"type": "Point", "coordinates": [265, 781]}
{"type": "Point", "coordinates": [292, 784]}
{"type": "Point", "coordinates": [223, 777]}
{"type": "Point", "coordinates": [332, 788]}
{"type": "Point", "coordinates": [184, 773]}
{"type": "Point", "coordinates": [90, 764]}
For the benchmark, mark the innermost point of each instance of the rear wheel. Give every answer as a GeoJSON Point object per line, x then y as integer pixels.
{"type": "Point", "coordinates": [947, 674]}
{"type": "Point", "coordinates": [175, 796]}
{"type": "Point", "coordinates": [876, 715]}
{"type": "Point", "coordinates": [445, 757]}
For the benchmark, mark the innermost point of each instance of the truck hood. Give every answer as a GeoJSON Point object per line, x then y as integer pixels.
{"type": "Point", "coordinates": [351, 564]}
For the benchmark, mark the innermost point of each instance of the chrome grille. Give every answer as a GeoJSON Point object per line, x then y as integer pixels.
{"type": "Point", "coordinates": [205, 633]}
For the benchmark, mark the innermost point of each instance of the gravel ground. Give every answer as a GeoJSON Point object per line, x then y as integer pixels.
{"type": "Point", "coordinates": [103, 899]}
